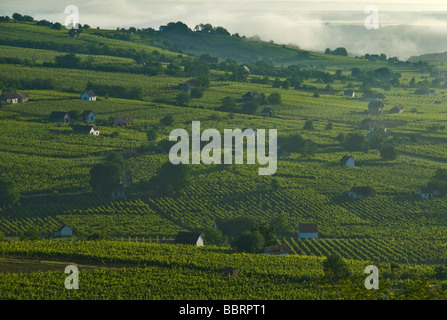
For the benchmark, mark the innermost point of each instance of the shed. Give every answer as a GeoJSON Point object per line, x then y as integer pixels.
{"type": "Point", "coordinates": [122, 121]}
{"type": "Point", "coordinates": [278, 250]}
{"type": "Point", "coordinates": [349, 93]}
{"type": "Point", "coordinates": [88, 129]}
{"type": "Point", "coordinates": [22, 97]}
{"type": "Point", "coordinates": [376, 107]}
{"type": "Point", "coordinates": [397, 109]}
{"type": "Point", "coordinates": [307, 230]}
{"type": "Point", "coordinates": [347, 161]}
{"type": "Point", "coordinates": [63, 231]}
{"type": "Point", "coordinates": [428, 193]}
{"type": "Point", "coordinates": [59, 116]}
{"type": "Point", "coordinates": [233, 272]}
{"type": "Point", "coordinates": [9, 97]}
{"type": "Point", "coordinates": [88, 116]}
{"type": "Point", "coordinates": [191, 238]}
{"type": "Point", "coordinates": [361, 192]}
{"type": "Point", "coordinates": [252, 95]}
{"type": "Point", "coordinates": [88, 95]}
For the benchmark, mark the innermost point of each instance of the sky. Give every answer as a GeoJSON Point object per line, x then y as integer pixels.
{"type": "Point", "coordinates": [406, 28]}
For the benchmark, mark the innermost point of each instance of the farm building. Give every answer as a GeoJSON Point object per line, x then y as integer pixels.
{"type": "Point", "coordinates": [428, 193]}
{"type": "Point", "coordinates": [397, 109]}
{"type": "Point", "coordinates": [278, 250]}
{"type": "Point", "coordinates": [187, 86]}
{"type": "Point", "coordinates": [307, 230]}
{"type": "Point", "coordinates": [122, 121]}
{"type": "Point", "coordinates": [9, 97]}
{"type": "Point", "coordinates": [371, 135]}
{"type": "Point", "coordinates": [233, 272]}
{"type": "Point", "coordinates": [347, 161]}
{"type": "Point", "coordinates": [88, 96]}
{"type": "Point", "coordinates": [361, 192]}
{"type": "Point", "coordinates": [349, 93]}
{"type": "Point", "coordinates": [59, 116]}
{"type": "Point", "coordinates": [88, 116]}
{"type": "Point", "coordinates": [376, 107]}
{"type": "Point", "coordinates": [88, 129]}
{"type": "Point", "coordinates": [63, 231]}
{"type": "Point", "coordinates": [22, 97]}
{"type": "Point", "coordinates": [118, 193]}
{"type": "Point", "coordinates": [191, 238]}
{"type": "Point", "coordinates": [252, 95]}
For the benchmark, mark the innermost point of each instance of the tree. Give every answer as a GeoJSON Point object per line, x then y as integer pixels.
{"type": "Point", "coordinates": [249, 241]}
{"type": "Point", "coordinates": [196, 93]}
{"type": "Point", "coordinates": [335, 268]}
{"type": "Point", "coordinates": [171, 178]}
{"type": "Point", "coordinates": [268, 233]}
{"type": "Point", "coordinates": [355, 142]}
{"type": "Point", "coordinates": [9, 193]}
{"type": "Point", "coordinates": [182, 99]}
{"type": "Point", "coordinates": [274, 98]}
{"type": "Point", "coordinates": [167, 121]}
{"type": "Point", "coordinates": [309, 125]}
{"type": "Point", "coordinates": [68, 61]}
{"type": "Point", "coordinates": [281, 226]}
{"type": "Point", "coordinates": [105, 176]}
{"type": "Point", "coordinates": [329, 126]}
{"type": "Point", "coordinates": [388, 152]}
{"type": "Point", "coordinates": [74, 114]}
{"type": "Point", "coordinates": [32, 233]}
{"type": "Point", "coordinates": [215, 237]}
{"type": "Point", "coordinates": [250, 107]}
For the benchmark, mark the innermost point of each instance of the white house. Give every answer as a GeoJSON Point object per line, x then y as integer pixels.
{"type": "Point", "coordinates": [428, 193]}
{"type": "Point", "coordinates": [191, 238]}
{"type": "Point", "coordinates": [88, 116]}
{"type": "Point", "coordinates": [347, 161]}
{"type": "Point", "coordinates": [307, 230]}
{"type": "Point", "coordinates": [349, 93]}
{"type": "Point", "coordinates": [88, 96]}
{"type": "Point", "coordinates": [88, 129]}
{"type": "Point", "coordinates": [63, 231]}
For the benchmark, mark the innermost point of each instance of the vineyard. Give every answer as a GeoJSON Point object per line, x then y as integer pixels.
{"type": "Point", "coordinates": [180, 272]}
{"type": "Point", "coordinates": [51, 168]}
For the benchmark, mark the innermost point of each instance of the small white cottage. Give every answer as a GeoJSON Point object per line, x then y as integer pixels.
{"type": "Point", "coordinates": [63, 231]}
{"type": "Point", "coordinates": [88, 96]}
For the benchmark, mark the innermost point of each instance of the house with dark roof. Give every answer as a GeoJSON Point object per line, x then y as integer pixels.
{"type": "Point", "coordinates": [347, 161]}
{"type": "Point", "coordinates": [187, 86]}
{"type": "Point", "coordinates": [122, 121]}
{"type": "Point", "coordinates": [278, 250]}
{"type": "Point", "coordinates": [88, 95]}
{"type": "Point", "coordinates": [397, 109]}
{"type": "Point", "coordinates": [428, 193]}
{"type": "Point", "coordinates": [307, 230]}
{"type": "Point", "coordinates": [87, 129]}
{"type": "Point", "coordinates": [63, 231]}
{"type": "Point", "coordinates": [376, 107]}
{"type": "Point", "coordinates": [349, 93]}
{"type": "Point", "coordinates": [191, 238]}
{"type": "Point", "coordinates": [361, 192]}
{"type": "Point", "coordinates": [9, 97]}
{"type": "Point", "coordinates": [22, 97]}
{"type": "Point", "coordinates": [59, 116]}
{"type": "Point", "coordinates": [252, 95]}
{"type": "Point", "coordinates": [88, 116]}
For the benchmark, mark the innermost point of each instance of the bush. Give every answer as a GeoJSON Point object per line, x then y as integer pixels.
{"type": "Point", "coordinates": [335, 268]}
{"type": "Point", "coordinates": [249, 241]}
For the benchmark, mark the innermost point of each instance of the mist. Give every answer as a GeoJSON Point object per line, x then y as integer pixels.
{"type": "Point", "coordinates": [312, 25]}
